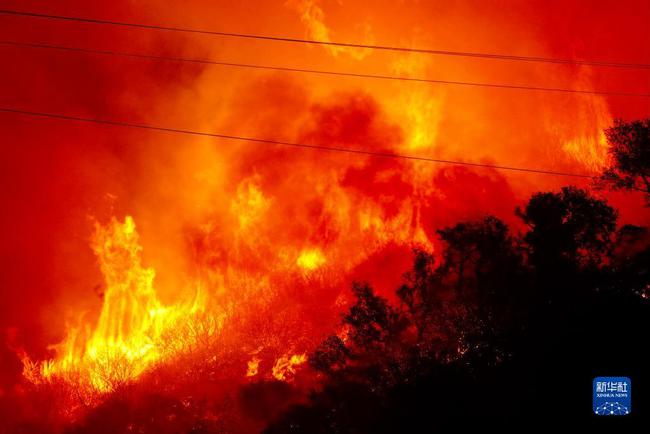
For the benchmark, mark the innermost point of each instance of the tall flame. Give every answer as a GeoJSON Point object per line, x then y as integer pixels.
{"type": "Point", "coordinates": [127, 338]}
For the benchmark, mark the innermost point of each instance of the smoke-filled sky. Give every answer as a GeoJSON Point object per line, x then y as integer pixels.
{"type": "Point", "coordinates": [204, 201]}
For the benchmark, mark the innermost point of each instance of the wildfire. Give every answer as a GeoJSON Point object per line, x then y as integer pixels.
{"type": "Point", "coordinates": [254, 220]}
{"type": "Point", "coordinates": [285, 366]}
{"type": "Point", "coordinates": [132, 325]}
{"type": "Point", "coordinates": [253, 367]}
{"type": "Point", "coordinates": [310, 259]}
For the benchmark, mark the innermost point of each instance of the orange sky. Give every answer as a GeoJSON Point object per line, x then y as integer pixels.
{"type": "Point", "coordinates": [55, 175]}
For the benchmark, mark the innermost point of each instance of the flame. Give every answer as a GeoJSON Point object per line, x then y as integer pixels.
{"type": "Point", "coordinates": [313, 17]}
{"type": "Point", "coordinates": [127, 338]}
{"type": "Point", "coordinates": [421, 106]}
{"type": "Point", "coordinates": [285, 367]}
{"type": "Point", "coordinates": [310, 259]}
{"type": "Point", "coordinates": [587, 144]}
{"type": "Point", "coordinates": [253, 367]}
{"type": "Point", "coordinates": [249, 203]}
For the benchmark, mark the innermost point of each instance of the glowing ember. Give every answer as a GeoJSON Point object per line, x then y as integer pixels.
{"type": "Point", "coordinates": [285, 367]}
{"type": "Point", "coordinates": [253, 367]}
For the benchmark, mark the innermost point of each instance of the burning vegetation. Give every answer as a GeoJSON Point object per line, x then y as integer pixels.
{"type": "Point", "coordinates": [482, 309]}
{"type": "Point", "coordinates": [241, 287]}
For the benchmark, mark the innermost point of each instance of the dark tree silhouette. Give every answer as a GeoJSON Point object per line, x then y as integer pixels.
{"type": "Point", "coordinates": [485, 265]}
{"type": "Point", "coordinates": [500, 328]}
{"type": "Point", "coordinates": [375, 328]}
{"type": "Point", "coordinates": [331, 356]}
{"type": "Point", "coordinates": [374, 322]}
{"type": "Point", "coordinates": [568, 229]}
{"type": "Point", "coordinates": [630, 154]}
{"type": "Point", "coordinates": [423, 299]}
{"type": "Point", "coordinates": [629, 272]}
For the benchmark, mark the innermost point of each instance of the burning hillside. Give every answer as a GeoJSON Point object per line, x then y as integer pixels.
{"type": "Point", "coordinates": [183, 237]}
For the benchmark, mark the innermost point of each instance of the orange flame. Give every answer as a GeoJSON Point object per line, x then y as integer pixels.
{"type": "Point", "coordinates": [127, 339]}
{"type": "Point", "coordinates": [285, 367]}
{"type": "Point", "coordinates": [253, 367]}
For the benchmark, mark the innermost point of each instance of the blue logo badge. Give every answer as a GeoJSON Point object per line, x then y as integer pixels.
{"type": "Point", "coordinates": [612, 396]}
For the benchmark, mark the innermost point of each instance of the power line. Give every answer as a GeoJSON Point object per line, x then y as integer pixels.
{"type": "Point", "coordinates": [318, 147]}
{"type": "Point", "coordinates": [494, 56]}
{"type": "Point", "coordinates": [315, 71]}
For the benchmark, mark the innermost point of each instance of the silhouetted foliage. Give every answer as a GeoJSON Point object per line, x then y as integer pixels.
{"type": "Point", "coordinates": [630, 154]}
{"type": "Point", "coordinates": [568, 229]}
{"type": "Point", "coordinates": [630, 273]}
{"type": "Point", "coordinates": [374, 322]}
{"type": "Point", "coordinates": [330, 356]}
{"type": "Point", "coordinates": [485, 265]}
{"type": "Point", "coordinates": [494, 329]}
